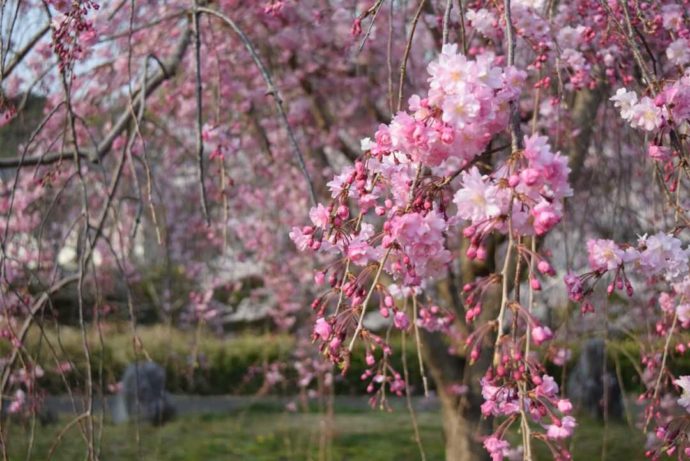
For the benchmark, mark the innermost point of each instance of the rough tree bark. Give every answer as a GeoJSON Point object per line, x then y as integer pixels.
{"type": "Point", "coordinates": [463, 424]}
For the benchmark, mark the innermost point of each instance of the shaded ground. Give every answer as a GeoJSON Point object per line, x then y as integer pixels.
{"type": "Point", "coordinates": [234, 430]}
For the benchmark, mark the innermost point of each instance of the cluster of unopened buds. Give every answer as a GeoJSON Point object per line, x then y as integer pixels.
{"type": "Point", "coordinates": [71, 30]}
{"type": "Point", "coordinates": [670, 437]}
{"type": "Point", "coordinates": [665, 116]}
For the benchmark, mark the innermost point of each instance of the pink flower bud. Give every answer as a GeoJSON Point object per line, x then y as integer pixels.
{"type": "Point", "coordinates": [544, 267]}
{"type": "Point", "coordinates": [471, 252]}
{"type": "Point", "coordinates": [343, 212]}
{"type": "Point", "coordinates": [535, 284]}
{"type": "Point", "coordinates": [370, 359]}
{"type": "Point", "coordinates": [334, 345]}
{"type": "Point", "coordinates": [322, 329]}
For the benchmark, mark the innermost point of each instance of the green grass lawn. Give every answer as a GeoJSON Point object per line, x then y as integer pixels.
{"type": "Point", "coordinates": [267, 435]}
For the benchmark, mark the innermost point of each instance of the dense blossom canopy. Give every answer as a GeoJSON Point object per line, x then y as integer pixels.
{"type": "Point", "coordinates": [453, 168]}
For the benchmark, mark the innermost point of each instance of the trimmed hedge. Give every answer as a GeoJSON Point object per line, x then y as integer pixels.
{"type": "Point", "coordinates": [199, 362]}
{"type": "Point", "coordinates": [196, 362]}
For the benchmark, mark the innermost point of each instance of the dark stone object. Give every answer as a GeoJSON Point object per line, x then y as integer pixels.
{"type": "Point", "coordinates": [142, 395]}
{"type": "Point", "coordinates": [587, 382]}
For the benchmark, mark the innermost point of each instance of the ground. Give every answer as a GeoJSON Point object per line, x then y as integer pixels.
{"type": "Point", "coordinates": [268, 433]}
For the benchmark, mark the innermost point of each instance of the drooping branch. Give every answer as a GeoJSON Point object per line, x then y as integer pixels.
{"type": "Point", "coordinates": [21, 335]}
{"type": "Point", "coordinates": [515, 130]}
{"type": "Point", "coordinates": [406, 53]}
{"type": "Point", "coordinates": [199, 112]}
{"type": "Point", "coordinates": [273, 91]}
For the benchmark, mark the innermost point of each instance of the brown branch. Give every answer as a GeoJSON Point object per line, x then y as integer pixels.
{"type": "Point", "coordinates": [406, 54]}
{"type": "Point", "coordinates": [21, 54]}
{"type": "Point", "coordinates": [199, 113]}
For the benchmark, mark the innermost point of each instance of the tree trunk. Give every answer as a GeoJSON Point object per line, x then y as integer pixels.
{"type": "Point", "coordinates": [462, 431]}
{"type": "Point", "coordinates": [463, 425]}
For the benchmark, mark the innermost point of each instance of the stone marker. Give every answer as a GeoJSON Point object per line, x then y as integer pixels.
{"type": "Point", "coordinates": [142, 394]}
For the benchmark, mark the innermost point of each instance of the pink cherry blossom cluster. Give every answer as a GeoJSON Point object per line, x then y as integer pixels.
{"type": "Point", "coordinates": [27, 396]}
{"type": "Point", "coordinates": [404, 186]}
{"type": "Point", "coordinates": [665, 117]}
{"type": "Point", "coordinates": [400, 178]}
{"type": "Point", "coordinates": [466, 106]}
{"type": "Point", "coordinates": [501, 393]}
{"type": "Point", "coordinates": [659, 256]}
{"type": "Point", "coordinates": [662, 261]}
{"type": "Point", "coordinates": [529, 190]}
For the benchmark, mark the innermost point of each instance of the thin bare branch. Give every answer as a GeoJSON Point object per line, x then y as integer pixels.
{"type": "Point", "coordinates": [167, 71]}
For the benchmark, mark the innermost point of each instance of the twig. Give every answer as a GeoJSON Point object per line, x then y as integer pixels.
{"type": "Point", "coordinates": [422, 373]}
{"type": "Point", "coordinates": [376, 8]}
{"type": "Point", "coordinates": [61, 434]}
{"type": "Point", "coordinates": [462, 26]}
{"type": "Point", "coordinates": [389, 58]}
{"type": "Point", "coordinates": [408, 399]}
{"type": "Point", "coordinates": [5, 71]}
{"type": "Point", "coordinates": [406, 54]}
{"type": "Point", "coordinates": [663, 365]}
{"type": "Point", "coordinates": [446, 20]}
{"type": "Point", "coordinates": [360, 322]}
{"type": "Point", "coordinates": [515, 130]}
